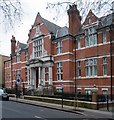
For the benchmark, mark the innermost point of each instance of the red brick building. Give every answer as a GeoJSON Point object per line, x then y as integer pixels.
{"type": "Point", "coordinates": [80, 56]}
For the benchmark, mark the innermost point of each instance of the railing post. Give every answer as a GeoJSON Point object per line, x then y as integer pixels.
{"type": "Point", "coordinates": [107, 103]}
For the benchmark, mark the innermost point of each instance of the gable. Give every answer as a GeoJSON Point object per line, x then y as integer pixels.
{"type": "Point", "coordinates": [90, 19]}
{"type": "Point", "coordinates": [42, 27]}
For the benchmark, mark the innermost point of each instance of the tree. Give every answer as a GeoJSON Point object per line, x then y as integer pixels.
{"type": "Point", "coordinates": [97, 6]}
{"type": "Point", "coordinates": [10, 12]}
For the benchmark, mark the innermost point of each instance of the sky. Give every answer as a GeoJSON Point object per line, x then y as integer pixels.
{"type": "Point", "coordinates": [21, 30]}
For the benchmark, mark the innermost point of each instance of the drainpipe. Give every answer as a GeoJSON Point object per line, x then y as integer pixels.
{"type": "Point", "coordinates": [75, 90]}
{"type": "Point", "coordinates": [11, 73]}
{"type": "Point", "coordinates": [111, 62]}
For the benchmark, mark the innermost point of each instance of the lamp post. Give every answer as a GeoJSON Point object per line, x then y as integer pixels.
{"type": "Point", "coordinates": [111, 83]}
{"type": "Point", "coordinates": [23, 88]}
{"type": "Point", "coordinates": [75, 89]}
{"type": "Point", "coordinates": [11, 72]}
{"type": "Point", "coordinates": [62, 86]}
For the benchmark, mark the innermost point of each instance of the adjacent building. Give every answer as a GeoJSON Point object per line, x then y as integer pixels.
{"type": "Point", "coordinates": [2, 59]}
{"type": "Point", "coordinates": [80, 57]}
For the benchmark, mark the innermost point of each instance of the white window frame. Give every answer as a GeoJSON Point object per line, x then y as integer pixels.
{"type": "Point", "coordinates": [79, 68]}
{"type": "Point", "coordinates": [104, 66]}
{"type": "Point", "coordinates": [18, 73]}
{"type": "Point", "coordinates": [59, 47]}
{"type": "Point", "coordinates": [26, 56]}
{"type": "Point", "coordinates": [18, 57]}
{"type": "Point", "coordinates": [88, 92]}
{"type": "Point", "coordinates": [59, 71]}
{"type": "Point", "coordinates": [38, 32]}
{"type": "Point", "coordinates": [38, 47]}
{"type": "Point", "coordinates": [91, 36]}
{"type": "Point", "coordinates": [104, 36]}
{"type": "Point", "coordinates": [79, 44]}
{"type": "Point", "coordinates": [91, 67]}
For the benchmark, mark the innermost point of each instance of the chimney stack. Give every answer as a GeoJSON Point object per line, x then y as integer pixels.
{"type": "Point", "coordinates": [74, 19]}
{"type": "Point", "coordinates": [13, 43]}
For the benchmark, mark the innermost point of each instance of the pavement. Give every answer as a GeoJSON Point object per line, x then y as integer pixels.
{"type": "Point", "coordinates": [88, 113]}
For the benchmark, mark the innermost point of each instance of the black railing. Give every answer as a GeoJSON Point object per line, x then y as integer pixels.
{"type": "Point", "coordinates": [82, 97]}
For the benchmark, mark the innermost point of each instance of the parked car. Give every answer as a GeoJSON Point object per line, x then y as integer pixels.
{"type": "Point", "coordinates": [3, 95]}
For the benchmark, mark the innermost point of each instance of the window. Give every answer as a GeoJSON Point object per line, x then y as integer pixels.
{"type": "Point", "coordinates": [26, 55]}
{"type": "Point", "coordinates": [95, 67]}
{"type": "Point", "coordinates": [18, 73]}
{"type": "Point", "coordinates": [37, 46]}
{"type": "Point", "coordinates": [104, 66]}
{"type": "Point", "coordinates": [79, 45]}
{"type": "Point", "coordinates": [59, 71]}
{"type": "Point", "coordinates": [37, 29]}
{"type": "Point", "coordinates": [88, 92]}
{"type": "Point", "coordinates": [91, 67]}
{"type": "Point", "coordinates": [38, 32]}
{"type": "Point", "coordinates": [59, 90]}
{"type": "Point", "coordinates": [104, 36]}
{"type": "Point", "coordinates": [87, 68]}
{"type": "Point", "coordinates": [18, 57]}
{"type": "Point", "coordinates": [79, 69]}
{"type": "Point", "coordinates": [91, 37]}
{"type": "Point", "coordinates": [59, 47]}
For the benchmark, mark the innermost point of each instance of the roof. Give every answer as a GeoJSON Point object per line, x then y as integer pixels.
{"type": "Point", "coordinates": [106, 20]}
{"type": "Point", "coordinates": [62, 32]}
{"type": "Point", "coordinates": [23, 46]}
{"type": "Point", "coordinates": [51, 26]}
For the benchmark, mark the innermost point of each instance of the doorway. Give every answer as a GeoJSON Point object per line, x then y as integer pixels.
{"type": "Point", "coordinates": [37, 77]}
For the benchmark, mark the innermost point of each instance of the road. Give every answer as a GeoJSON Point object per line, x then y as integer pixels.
{"type": "Point", "coordinates": [12, 109]}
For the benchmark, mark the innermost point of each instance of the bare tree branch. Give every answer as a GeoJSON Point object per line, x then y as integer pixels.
{"type": "Point", "coordinates": [97, 6]}
{"type": "Point", "coordinates": [11, 12]}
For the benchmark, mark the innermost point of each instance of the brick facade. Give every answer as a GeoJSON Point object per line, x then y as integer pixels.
{"type": "Point", "coordinates": [60, 56]}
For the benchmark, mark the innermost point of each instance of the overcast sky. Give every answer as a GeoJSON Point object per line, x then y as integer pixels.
{"type": "Point", "coordinates": [21, 30]}
{"type": "Point", "coordinates": [30, 8]}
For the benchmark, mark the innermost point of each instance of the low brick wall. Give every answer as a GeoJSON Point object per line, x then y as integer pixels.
{"type": "Point", "coordinates": [84, 104]}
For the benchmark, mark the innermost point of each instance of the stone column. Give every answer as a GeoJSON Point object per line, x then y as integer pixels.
{"type": "Point", "coordinates": [30, 75]}
{"type": "Point", "coordinates": [50, 75]}
{"type": "Point", "coordinates": [43, 76]}
{"type": "Point", "coordinates": [28, 79]}
{"type": "Point", "coordinates": [39, 70]}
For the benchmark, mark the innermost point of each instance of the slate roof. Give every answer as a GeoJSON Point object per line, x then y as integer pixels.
{"type": "Point", "coordinates": [62, 32]}
{"type": "Point", "coordinates": [51, 26]}
{"type": "Point", "coordinates": [23, 46]}
{"type": "Point", "coordinates": [106, 20]}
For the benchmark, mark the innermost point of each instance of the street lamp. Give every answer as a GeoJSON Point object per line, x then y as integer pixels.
{"type": "Point", "coordinates": [23, 88]}
{"type": "Point", "coordinates": [11, 72]}
{"type": "Point", "coordinates": [62, 87]}
{"type": "Point", "coordinates": [111, 63]}
{"type": "Point", "coordinates": [75, 89]}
